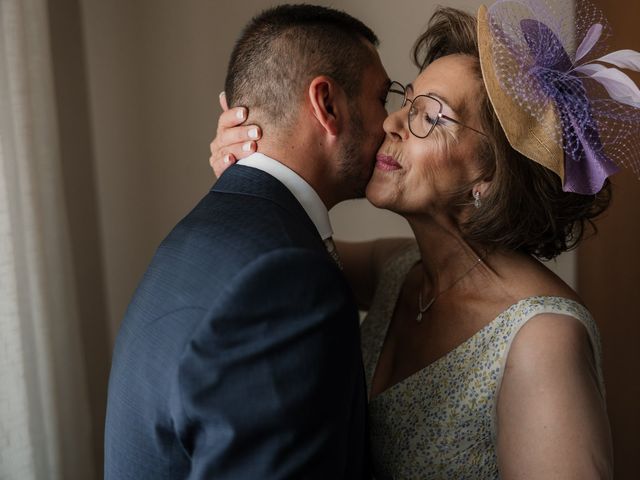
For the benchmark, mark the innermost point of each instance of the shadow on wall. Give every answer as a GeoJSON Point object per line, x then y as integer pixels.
{"type": "Point", "coordinates": [67, 49]}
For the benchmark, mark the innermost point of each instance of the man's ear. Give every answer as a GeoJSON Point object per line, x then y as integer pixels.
{"type": "Point", "coordinates": [328, 104]}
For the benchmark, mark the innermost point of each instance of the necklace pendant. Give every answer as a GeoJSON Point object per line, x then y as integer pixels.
{"type": "Point", "coordinates": [422, 310]}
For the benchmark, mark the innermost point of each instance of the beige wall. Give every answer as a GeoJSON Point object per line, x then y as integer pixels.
{"type": "Point", "coordinates": [155, 68]}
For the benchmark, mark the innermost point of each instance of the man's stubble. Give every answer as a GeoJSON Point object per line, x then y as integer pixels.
{"type": "Point", "coordinates": [355, 171]}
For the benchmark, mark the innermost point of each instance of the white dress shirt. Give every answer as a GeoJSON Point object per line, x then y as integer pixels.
{"type": "Point", "coordinates": [304, 193]}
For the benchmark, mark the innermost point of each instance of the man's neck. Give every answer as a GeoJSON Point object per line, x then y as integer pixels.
{"type": "Point", "coordinates": [298, 186]}
{"type": "Point", "coordinates": [310, 164]}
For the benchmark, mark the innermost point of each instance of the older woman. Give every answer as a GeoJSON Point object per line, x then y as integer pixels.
{"type": "Point", "coordinates": [480, 362]}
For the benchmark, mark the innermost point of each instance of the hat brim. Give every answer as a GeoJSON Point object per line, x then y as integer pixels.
{"type": "Point", "coordinates": [525, 133]}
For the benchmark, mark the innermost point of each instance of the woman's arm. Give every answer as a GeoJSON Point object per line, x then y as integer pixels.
{"type": "Point", "coordinates": [363, 263]}
{"type": "Point", "coordinates": [552, 420]}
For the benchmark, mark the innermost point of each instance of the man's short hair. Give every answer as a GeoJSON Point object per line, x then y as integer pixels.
{"type": "Point", "coordinates": [283, 48]}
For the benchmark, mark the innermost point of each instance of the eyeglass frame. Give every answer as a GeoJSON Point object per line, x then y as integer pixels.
{"type": "Point", "coordinates": [440, 115]}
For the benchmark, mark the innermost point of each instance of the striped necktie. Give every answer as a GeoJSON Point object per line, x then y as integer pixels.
{"type": "Point", "coordinates": [331, 249]}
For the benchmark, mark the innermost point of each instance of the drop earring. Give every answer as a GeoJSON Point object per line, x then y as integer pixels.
{"type": "Point", "coordinates": [476, 199]}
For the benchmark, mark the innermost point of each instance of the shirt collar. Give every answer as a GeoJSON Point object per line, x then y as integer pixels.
{"type": "Point", "coordinates": [304, 193]}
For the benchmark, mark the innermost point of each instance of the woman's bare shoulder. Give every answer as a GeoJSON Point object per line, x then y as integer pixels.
{"type": "Point", "coordinates": [525, 276]}
{"type": "Point", "coordinates": [551, 414]}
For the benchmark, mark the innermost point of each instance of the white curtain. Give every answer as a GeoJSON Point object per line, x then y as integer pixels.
{"type": "Point", "coordinates": [44, 416]}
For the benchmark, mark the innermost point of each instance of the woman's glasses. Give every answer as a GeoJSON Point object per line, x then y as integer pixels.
{"type": "Point", "coordinates": [425, 111]}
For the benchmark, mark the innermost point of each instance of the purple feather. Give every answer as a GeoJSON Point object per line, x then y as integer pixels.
{"type": "Point", "coordinates": [618, 85]}
{"type": "Point", "coordinates": [589, 40]}
{"type": "Point", "coordinates": [622, 58]}
{"type": "Point", "coordinates": [589, 69]}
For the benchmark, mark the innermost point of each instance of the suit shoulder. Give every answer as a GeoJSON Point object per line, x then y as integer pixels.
{"type": "Point", "coordinates": [240, 226]}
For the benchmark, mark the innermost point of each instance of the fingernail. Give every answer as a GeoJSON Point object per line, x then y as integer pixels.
{"type": "Point", "coordinates": [221, 94]}
{"type": "Point", "coordinates": [240, 114]}
{"type": "Point", "coordinates": [246, 147]}
{"type": "Point", "coordinates": [253, 133]}
{"type": "Point", "coordinates": [226, 159]}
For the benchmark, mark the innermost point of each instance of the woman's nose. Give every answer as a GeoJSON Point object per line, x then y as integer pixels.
{"type": "Point", "coordinates": [395, 125]}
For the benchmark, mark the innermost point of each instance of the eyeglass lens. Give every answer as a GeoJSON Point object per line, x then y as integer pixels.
{"type": "Point", "coordinates": [395, 97]}
{"type": "Point", "coordinates": [423, 111]}
{"type": "Point", "coordinates": [423, 115]}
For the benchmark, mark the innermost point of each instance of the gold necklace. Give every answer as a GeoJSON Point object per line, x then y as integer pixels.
{"type": "Point", "coordinates": [421, 309]}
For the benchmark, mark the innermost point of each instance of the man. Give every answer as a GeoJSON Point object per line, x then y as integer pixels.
{"type": "Point", "coordinates": [239, 356]}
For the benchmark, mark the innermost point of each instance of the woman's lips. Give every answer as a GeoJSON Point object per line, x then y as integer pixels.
{"type": "Point", "coordinates": [385, 162]}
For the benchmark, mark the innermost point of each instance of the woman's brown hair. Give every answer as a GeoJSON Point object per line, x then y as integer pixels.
{"type": "Point", "coordinates": [525, 208]}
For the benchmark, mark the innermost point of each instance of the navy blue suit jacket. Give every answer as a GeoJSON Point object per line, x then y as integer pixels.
{"type": "Point", "coordinates": [239, 355]}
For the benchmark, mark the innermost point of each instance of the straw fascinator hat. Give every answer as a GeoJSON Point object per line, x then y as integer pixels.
{"type": "Point", "coordinates": [562, 102]}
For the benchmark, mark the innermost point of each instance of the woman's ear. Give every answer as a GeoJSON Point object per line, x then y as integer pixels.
{"type": "Point", "coordinates": [483, 185]}
{"type": "Point", "coordinates": [328, 104]}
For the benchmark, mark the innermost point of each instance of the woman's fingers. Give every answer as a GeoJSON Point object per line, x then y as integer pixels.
{"type": "Point", "coordinates": [224, 158]}
{"type": "Point", "coordinates": [220, 165]}
{"type": "Point", "coordinates": [232, 118]}
{"type": "Point", "coordinates": [237, 140]}
{"type": "Point", "coordinates": [233, 140]}
{"type": "Point", "coordinates": [231, 136]}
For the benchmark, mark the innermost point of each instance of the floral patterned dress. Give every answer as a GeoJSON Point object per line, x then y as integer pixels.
{"type": "Point", "coordinates": [440, 422]}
